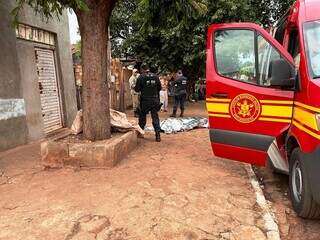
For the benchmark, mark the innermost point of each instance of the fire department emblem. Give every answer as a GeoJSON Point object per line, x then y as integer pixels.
{"type": "Point", "coordinates": [245, 108]}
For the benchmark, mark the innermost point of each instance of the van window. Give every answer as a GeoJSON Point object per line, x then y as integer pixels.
{"type": "Point", "coordinates": [312, 40]}
{"type": "Point", "coordinates": [235, 54]}
{"type": "Point", "coordinates": [245, 56]}
{"type": "Point", "coordinates": [267, 53]}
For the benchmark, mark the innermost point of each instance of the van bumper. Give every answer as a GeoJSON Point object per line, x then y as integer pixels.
{"type": "Point", "coordinates": [312, 162]}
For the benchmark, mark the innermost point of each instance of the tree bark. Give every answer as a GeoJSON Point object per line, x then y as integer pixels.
{"type": "Point", "coordinates": [93, 26]}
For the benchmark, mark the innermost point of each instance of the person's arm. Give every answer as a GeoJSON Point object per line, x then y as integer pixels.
{"type": "Point", "coordinates": [159, 87]}
{"type": "Point", "coordinates": [138, 87]}
{"type": "Point", "coordinates": [131, 83]}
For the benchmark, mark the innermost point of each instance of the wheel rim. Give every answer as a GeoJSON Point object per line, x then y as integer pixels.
{"type": "Point", "coordinates": [297, 181]}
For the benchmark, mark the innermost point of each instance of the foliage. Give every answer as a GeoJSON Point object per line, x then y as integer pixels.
{"type": "Point", "coordinates": [77, 52]}
{"type": "Point", "coordinates": [171, 34]}
{"type": "Point", "coordinates": [49, 8]}
{"type": "Point", "coordinates": [122, 25]}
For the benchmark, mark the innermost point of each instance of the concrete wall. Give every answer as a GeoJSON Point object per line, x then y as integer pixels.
{"type": "Point", "coordinates": [30, 91]}
{"type": "Point", "coordinates": [13, 129]}
{"type": "Point", "coordinates": [18, 78]}
{"type": "Point", "coordinates": [63, 56]}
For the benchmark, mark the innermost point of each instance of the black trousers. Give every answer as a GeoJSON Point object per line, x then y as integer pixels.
{"type": "Point", "coordinates": [179, 100]}
{"type": "Point", "coordinates": [154, 116]}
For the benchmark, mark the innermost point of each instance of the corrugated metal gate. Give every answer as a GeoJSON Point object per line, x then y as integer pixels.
{"type": "Point", "coordinates": [49, 93]}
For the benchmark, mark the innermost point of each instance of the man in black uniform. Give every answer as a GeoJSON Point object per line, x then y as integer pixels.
{"type": "Point", "coordinates": [180, 93]}
{"type": "Point", "coordinates": [149, 86]}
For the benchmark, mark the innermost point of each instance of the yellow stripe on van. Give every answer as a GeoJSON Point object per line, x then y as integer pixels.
{"type": "Point", "coordinates": [305, 117]}
{"type": "Point", "coordinates": [304, 129]}
{"type": "Point", "coordinates": [276, 102]}
{"type": "Point", "coordinates": [276, 111]}
{"type": "Point", "coordinates": [218, 100]}
{"type": "Point", "coordinates": [219, 115]}
{"type": "Point", "coordinates": [218, 107]}
{"type": "Point", "coordinates": [275, 120]}
{"type": "Point", "coordinates": [307, 107]}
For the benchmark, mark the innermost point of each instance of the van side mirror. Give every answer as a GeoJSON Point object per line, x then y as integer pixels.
{"type": "Point", "coordinates": [282, 74]}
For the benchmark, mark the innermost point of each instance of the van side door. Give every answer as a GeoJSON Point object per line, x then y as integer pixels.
{"type": "Point", "coordinates": [248, 110]}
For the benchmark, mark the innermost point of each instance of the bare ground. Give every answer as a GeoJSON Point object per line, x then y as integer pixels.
{"type": "Point", "coordinates": [175, 189]}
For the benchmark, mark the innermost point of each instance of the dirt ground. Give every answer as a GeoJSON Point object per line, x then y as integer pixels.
{"type": "Point", "coordinates": [156, 193]}
{"type": "Point", "coordinates": [276, 190]}
{"type": "Point", "coordinates": [174, 189]}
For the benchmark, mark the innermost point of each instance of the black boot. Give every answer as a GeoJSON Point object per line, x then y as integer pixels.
{"type": "Point", "coordinates": [182, 112]}
{"type": "Point", "coordinates": [174, 113]}
{"type": "Point", "coordinates": [158, 138]}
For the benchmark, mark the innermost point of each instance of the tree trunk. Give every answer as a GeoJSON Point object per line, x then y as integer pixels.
{"type": "Point", "coordinates": [95, 96]}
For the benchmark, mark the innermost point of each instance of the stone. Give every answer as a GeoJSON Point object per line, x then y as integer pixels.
{"type": "Point", "coordinates": [71, 162]}
{"type": "Point", "coordinates": [53, 154]}
{"type": "Point", "coordinates": [118, 151]}
{"type": "Point", "coordinates": [82, 152]}
{"type": "Point", "coordinates": [103, 154]}
{"type": "Point", "coordinates": [123, 145]}
{"type": "Point", "coordinates": [132, 140]}
{"type": "Point", "coordinates": [99, 155]}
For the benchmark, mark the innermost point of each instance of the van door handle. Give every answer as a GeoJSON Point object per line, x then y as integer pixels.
{"type": "Point", "coordinates": [219, 95]}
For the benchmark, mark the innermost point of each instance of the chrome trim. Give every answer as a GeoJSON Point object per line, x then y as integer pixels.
{"type": "Point", "coordinates": [276, 158]}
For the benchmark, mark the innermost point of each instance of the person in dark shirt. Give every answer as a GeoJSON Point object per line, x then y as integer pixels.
{"type": "Point", "coordinates": [149, 86]}
{"type": "Point", "coordinates": [180, 93]}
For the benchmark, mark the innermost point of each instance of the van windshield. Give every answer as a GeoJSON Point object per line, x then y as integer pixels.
{"type": "Point", "coordinates": [312, 39]}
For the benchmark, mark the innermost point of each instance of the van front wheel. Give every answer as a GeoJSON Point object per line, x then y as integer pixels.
{"type": "Point", "coordinates": [300, 191]}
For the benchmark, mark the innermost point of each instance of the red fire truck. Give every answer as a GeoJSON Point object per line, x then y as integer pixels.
{"type": "Point", "coordinates": [263, 98]}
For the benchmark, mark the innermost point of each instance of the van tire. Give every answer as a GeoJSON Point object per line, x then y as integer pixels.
{"type": "Point", "coordinates": [301, 195]}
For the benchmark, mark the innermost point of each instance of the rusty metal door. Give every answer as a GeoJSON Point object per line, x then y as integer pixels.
{"type": "Point", "coordinates": [49, 91]}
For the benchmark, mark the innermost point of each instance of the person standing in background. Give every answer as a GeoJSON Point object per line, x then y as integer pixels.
{"type": "Point", "coordinates": [134, 94]}
{"type": "Point", "coordinates": [180, 93]}
{"type": "Point", "coordinates": [170, 86]}
{"type": "Point", "coordinates": [164, 93]}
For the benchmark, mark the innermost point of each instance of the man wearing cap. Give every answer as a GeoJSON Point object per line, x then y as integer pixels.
{"type": "Point", "coordinates": [180, 93]}
{"type": "Point", "coordinates": [134, 94]}
{"type": "Point", "coordinates": [149, 86]}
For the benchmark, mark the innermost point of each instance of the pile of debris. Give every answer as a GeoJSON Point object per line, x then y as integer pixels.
{"type": "Point", "coordinates": [119, 123]}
